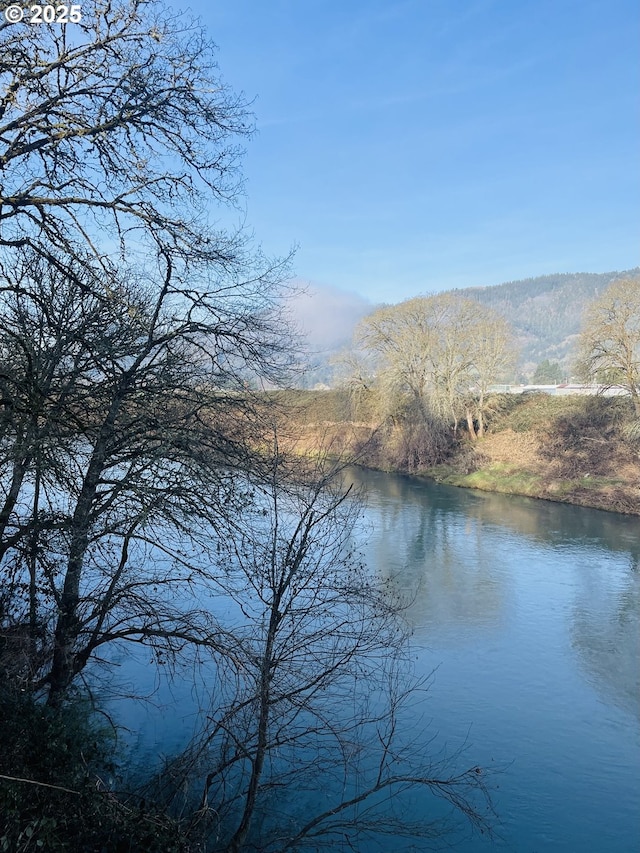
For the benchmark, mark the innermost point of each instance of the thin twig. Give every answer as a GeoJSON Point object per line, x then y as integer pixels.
{"type": "Point", "coordinates": [40, 784]}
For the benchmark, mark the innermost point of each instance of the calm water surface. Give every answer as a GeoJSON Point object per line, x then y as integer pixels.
{"type": "Point", "coordinates": [531, 613]}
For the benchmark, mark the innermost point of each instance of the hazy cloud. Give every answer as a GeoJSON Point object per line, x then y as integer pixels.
{"type": "Point", "coordinates": [325, 315]}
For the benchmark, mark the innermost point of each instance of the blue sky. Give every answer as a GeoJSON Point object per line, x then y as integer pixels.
{"type": "Point", "coordinates": [418, 145]}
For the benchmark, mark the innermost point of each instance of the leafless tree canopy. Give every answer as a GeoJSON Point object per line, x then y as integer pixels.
{"type": "Point", "coordinates": [312, 715]}
{"type": "Point", "coordinates": [137, 485]}
{"type": "Point", "coordinates": [121, 411]}
{"type": "Point", "coordinates": [118, 127]}
{"type": "Point", "coordinates": [610, 339]}
{"type": "Point", "coordinates": [131, 328]}
{"type": "Point", "coordinates": [442, 351]}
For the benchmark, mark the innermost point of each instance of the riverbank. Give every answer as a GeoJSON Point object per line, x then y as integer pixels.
{"type": "Point", "coordinates": [576, 450]}
{"type": "Point", "coordinates": [517, 464]}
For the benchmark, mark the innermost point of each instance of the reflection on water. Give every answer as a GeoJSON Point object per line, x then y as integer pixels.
{"type": "Point", "coordinates": [531, 612]}
{"type": "Point", "coordinates": [545, 521]}
{"type": "Point", "coordinates": [606, 634]}
{"type": "Point", "coordinates": [425, 549]}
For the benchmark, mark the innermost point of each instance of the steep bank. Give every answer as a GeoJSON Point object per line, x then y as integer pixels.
{"type": "Point", "coordinates": [579, 450]}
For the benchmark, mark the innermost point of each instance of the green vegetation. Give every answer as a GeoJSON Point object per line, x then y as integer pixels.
{"type": "Point", "coordinates": [496, 477]}
{"type": "Point", "coordinates": [56, 786]}
{"type": "Point", "coordinates": [334, 406]}
{"type": "Point", "coordinates": [545, 313]}
{"type": "Point", "coordinates": [534, 412]}
{"type": "Point", "coordinates": [547, 373]}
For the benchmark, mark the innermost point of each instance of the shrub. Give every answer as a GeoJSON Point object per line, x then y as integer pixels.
{"type": "Point", "coordinates": [53, 791]}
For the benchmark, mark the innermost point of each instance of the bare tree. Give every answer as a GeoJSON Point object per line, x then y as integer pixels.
{"type": "Point", "coordinates": [320, 692]}
{"type": "Point", "coordinates": [131, 326]}
{"type": "Point", "coordinates": [610, 338]}
{"type": "Point", "coordinates": [443, 351]}
{"type": "Point", "coordinates": [121, 409]}
{"type": "Point", "coordinates": [116, 134]}
{"type": "Point", "coordinates": [400, 338]}
{"type": "Point", "coordinates": [494, 355]}
{"type": "Point", "coordinates": [135, 488]}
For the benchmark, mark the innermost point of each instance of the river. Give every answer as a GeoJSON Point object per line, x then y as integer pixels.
{"type": "Point", "coordinates": [529, 613]}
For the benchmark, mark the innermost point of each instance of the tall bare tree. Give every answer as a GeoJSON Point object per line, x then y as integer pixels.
{"type": "Point", "coordinates": [120, 410]}
{"type": "Point", "coordinates": [494, 355]}
{"type": "Point", "coordinates": [610, 338]}
{"type": "Point", "coordinates": [131, 326]}
{"type": "Point", "coordinates": [443, 351]}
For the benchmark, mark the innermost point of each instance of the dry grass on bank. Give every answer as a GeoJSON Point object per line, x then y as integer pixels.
{"type": "Point", "coordinates": [581, 450]}
{"type": "Point", "coordinates": [574, 450]}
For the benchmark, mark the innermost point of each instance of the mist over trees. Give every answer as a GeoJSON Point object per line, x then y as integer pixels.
{"type": "Point", "coordinates": [544, 314]}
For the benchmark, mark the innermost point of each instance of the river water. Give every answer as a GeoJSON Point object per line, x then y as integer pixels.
{"type": "Point", "coordinates": [530, 611]}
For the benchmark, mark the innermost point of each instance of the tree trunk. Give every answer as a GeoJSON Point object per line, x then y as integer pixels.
{"type": "Point", "coordinates": [20, 467]}
{"type": "Point", "coordinates": [481, 415]}
{"type": "Point", "coordinates": [63, 667]}
{"type": "Point", "coordinates": [64, 664]}
{"type": "Point", "coordinates": [240, 835]}
{"type": "Point", "coordinates": [470, 425]}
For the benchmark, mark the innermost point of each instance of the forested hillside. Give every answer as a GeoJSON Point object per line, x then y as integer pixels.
{"type": "Point", "coordinates": [546, 312]}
